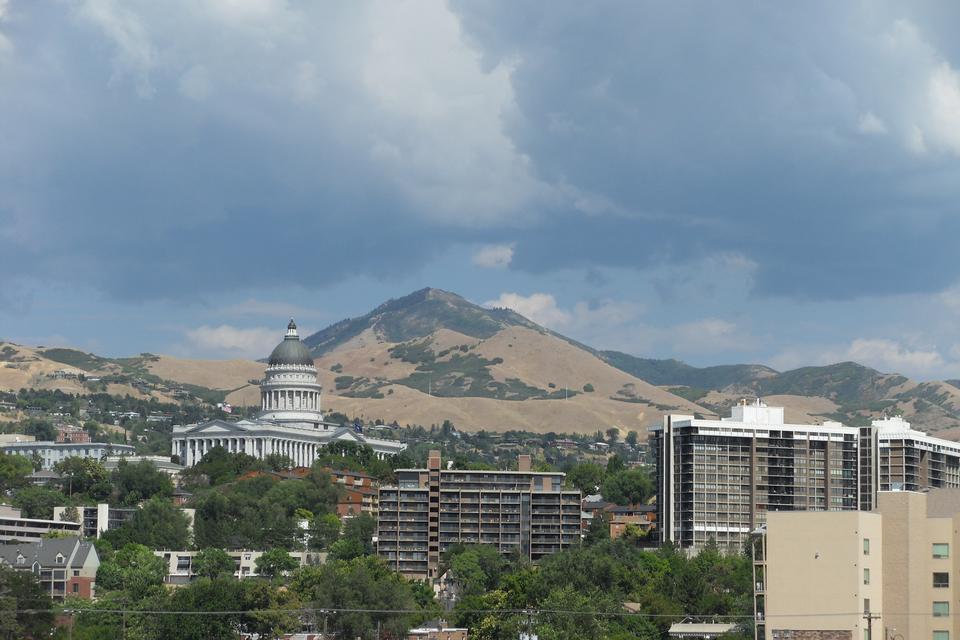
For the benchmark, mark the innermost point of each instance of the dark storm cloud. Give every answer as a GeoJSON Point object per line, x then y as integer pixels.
{"type": "Point", "coordinates": [782, 132]}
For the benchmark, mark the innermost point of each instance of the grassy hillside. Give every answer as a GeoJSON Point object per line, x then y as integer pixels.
{"type": "Point", "coordinates": [674, 372]}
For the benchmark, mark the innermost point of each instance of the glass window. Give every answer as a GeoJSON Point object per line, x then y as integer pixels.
{"type": "Point", "coordinates": [866, 576]}
{"type": "Point", "coordinates": [941, 579]}
{"type": "Point", "coordinates": [941, 609]}
{"type": "Point", "coordinates": [866, 605]}
{"type": "Point", "coordinates": [941, 635]}
{"type": "Point", "coordinates": [941, 550]}
{"type": "Point", "coordinates": [866, 546]}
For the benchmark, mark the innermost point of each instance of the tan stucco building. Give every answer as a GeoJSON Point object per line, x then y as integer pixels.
{"type": "Point", "coordinates": [837, 575]}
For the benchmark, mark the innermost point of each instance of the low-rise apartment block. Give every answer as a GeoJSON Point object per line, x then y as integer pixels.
{"type": "Point", "coordinates": [13, 527]}
{"type": "Point", "coordinates": [95, 519]}
{"type": "Point", "coordinates": [524, 512]}
{"type": "Point", "coordinates": [63, 566]}
{"type": "Point", "coordinates": [180, 569]}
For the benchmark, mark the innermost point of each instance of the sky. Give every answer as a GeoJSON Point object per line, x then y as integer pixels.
{"type": "Point", "coordinates": [715, 182]}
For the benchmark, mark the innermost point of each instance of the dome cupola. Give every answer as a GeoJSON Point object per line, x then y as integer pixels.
{"type": "Point", "coordinates": [291, 351]}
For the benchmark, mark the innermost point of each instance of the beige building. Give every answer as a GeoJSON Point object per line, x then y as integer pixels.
{"type": "Point", "coordinates": [836, 575]}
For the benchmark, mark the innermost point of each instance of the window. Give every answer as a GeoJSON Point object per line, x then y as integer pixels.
{"type": "Point", "coordinates": [941, 635]}
{"type": "Point", "coordinates": [866, 576]}
{"type": "Point", "coordinates": [941, 609]}
{"type": "Point", "coordinates": [76, 588]}
{"type": "Point", "coordinates": [941, 550]}
{"type": "Point", "coordinates": [866, 546]}
{"type": "Point", "coordinates": [941, 579]}
{"type": "Point", "coordinates": [866, 606]}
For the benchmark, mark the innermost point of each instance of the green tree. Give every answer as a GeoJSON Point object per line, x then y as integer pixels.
{"type": "Point", "coordinates": [632, 438]}
{"type": "Point", "coordinates": [631, 486]}
{"type": "Point", "coordinates": [357, 538]}
{"type": "Point", "coordinates": [211, 563]}
{"type": "Point", "coordinates": [135, 482]}
{"type": "Point", "coordinates": [476, 568]}
{"type": "Point", "coordinates": [278, 462]}
{"type": "Point", "coordinates": [38, 502]}
{"type": "Point", "coordinates": [364, 584]}
{"type": "Point", "coordinates": [83, 475]}
{"type": "Point", "coordinates": [21, 593]}
{"type": "Point", "coordinates": [615, 465]}
{"type": "Point", "coordinates": [613, 434]}
{"type": "Point", "coordinates": [134, 569]}
{"type": "Point", "coordinates": [275, 562]}
{"type": "Point", "coordinates": [586, 476]}
{"type": "Point", "coordinates": [158, 525]}
{"type": "Point", "coordinates": [14, 470]}
{"type": "Point", "coordinates": [324, 531]}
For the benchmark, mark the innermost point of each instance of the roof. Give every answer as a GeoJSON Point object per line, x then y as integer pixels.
{"type": "Point", "coordinates": [700, 629]}
{"type": "Point", "coordinates": [45, 551]}
{"type": "Point", "coordinates": [291, 350]}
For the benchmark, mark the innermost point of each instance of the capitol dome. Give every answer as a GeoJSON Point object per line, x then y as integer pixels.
{"type": "Point", "coordinates": [291, 351]}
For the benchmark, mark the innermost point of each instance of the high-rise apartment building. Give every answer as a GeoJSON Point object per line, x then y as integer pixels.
{"type": "Point", "coordinates": [890, 573]}
{"type": "Point", "coordinates": [523, 512]}
{"type": "Point", "coordinates": [717, 479]}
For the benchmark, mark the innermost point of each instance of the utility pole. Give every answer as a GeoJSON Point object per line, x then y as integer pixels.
{"type": "Point", "coordinates": [870, 617]}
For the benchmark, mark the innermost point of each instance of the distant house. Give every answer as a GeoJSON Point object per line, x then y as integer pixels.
{"type": "Point", "coordinates": [64, 566]}
{"type": "Point", "coordinates": [437, 630]}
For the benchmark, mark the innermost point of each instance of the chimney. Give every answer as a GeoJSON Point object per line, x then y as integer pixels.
{"type": "Point", "coordinates": [523, 463]}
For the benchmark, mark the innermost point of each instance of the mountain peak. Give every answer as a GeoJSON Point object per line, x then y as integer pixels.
{"type": "Point", "coordinates": [419, 314]}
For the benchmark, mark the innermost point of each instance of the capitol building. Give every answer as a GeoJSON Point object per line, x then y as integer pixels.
{"type": "Point", "coordinates": [289, 423]}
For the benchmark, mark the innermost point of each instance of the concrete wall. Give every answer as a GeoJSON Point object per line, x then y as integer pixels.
{"type": "Point", "coordinates": [814, 572]}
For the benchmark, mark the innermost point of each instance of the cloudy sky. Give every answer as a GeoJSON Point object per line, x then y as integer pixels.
{"type": "Point", "coordinates": [716, 182]}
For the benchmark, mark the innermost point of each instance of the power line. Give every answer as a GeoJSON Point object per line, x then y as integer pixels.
{"type": "Point", "coordinates": [526, 611]}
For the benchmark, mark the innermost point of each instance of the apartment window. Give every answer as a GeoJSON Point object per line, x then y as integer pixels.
{"type": "Point", "coordinates": [941, 635]}
{"type": "Point", "coordinates": [941, 579]}
{"type": "Point", "coordinates": [866, 606]}
{"type": "Point", "coordinates": [866, 576]}
{"type": "Point", "coordinates": [941, 550]}
{"type": "Point", "coordinates": [76, 588]}
{"type": "Point", "coordinates": [866, 546]}
{"type": "Point", "coordinates": [941, 609]}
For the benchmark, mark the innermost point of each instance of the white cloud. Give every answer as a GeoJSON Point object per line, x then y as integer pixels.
{"type": "Point", "coordinates": [882, 354]}
{"type": "Point", "coordinates": [229, 341]}
{"type": "Point", "coordinates": [135, 54]}
{"type": "Point", "coordinates": [944, 96]}
{"type": "Point", "coordinates": [5, 45]}
{"type": "Point", "coordinates": [891, 356]}
{"type": "Point", "coordinates": [494, 256]}
{"type": "Point", "coordinates": [870, 124]}
{"type": "Point", "coordinates": [540, 307]}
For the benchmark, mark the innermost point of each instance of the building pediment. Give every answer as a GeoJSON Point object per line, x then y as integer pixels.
{"type": "Point", "coordinates": [216, 427]}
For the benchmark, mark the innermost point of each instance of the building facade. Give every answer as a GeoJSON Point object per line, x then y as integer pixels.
{"type": "Point", "coordinates": [53, 452]}
{"type": "Point", "coordinates": [290, 421]}
{"type": "Point", "coordinates": [890, 573]}
{"type": "Point", "coordinates": [15, 528]}
{"type": "Point", "coordinates": [430, 509]}
{"type": "Point", "coordinates": [95, 519]}
{"type": "Point", "coordinates": [181, 570]}
{"type": "Point", "coordinates": [718, 479]}
{"type": "Point", "coordinates": [65, 567]}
